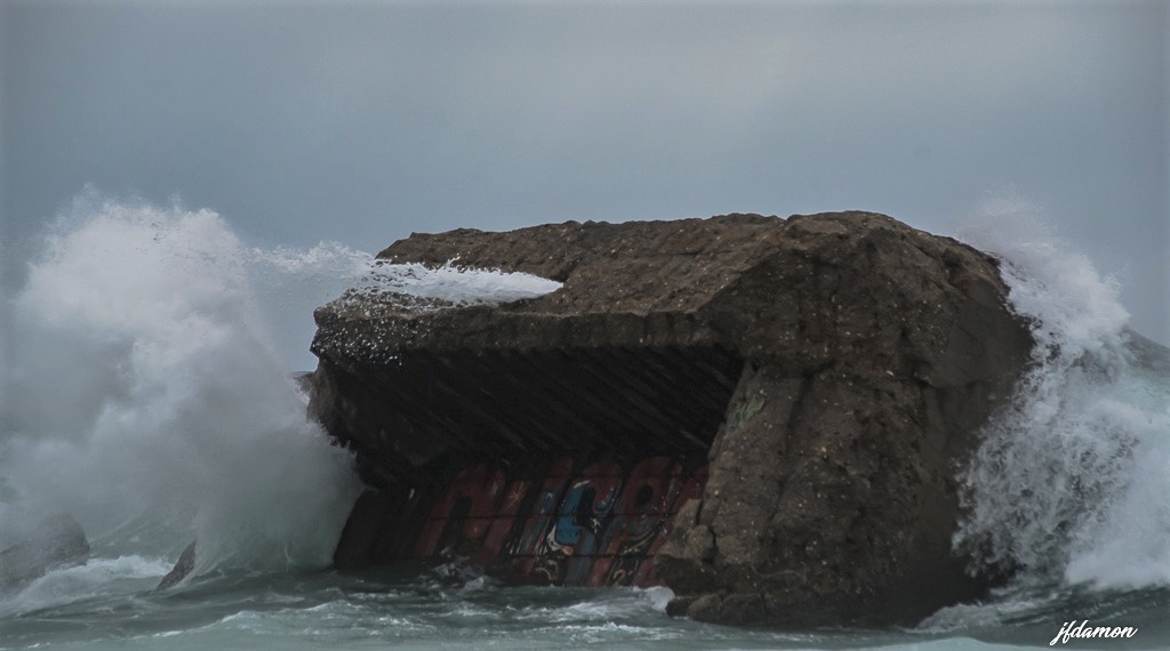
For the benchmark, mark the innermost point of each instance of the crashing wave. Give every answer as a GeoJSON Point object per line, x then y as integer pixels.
{"type": "Point", "coordinates": [1070, 484]}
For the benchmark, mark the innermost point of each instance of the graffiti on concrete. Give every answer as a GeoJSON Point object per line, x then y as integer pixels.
{"type": "Point", "coordinates": [563, 525]}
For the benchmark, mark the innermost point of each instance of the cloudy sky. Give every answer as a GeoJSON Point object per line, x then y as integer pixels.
{"type": "Point", "coordinates": [361, 122]}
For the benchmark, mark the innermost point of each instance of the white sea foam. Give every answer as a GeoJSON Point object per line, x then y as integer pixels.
{"type": "Point", "coordinates": [68, 584]}
{"type": "Point", "coordinates": [144, 382]}
{"type": "Point", "coordinates": [148, 391]}
{"type": "Point", "coordinates": [457, 284]}
{"type": "Point", "coordinates": [1072, 480]}
{"type": "Point", "coordinates": [658, 596]}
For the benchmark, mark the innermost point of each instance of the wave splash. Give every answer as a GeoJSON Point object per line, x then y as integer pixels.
{"type": "Point", "coordinates": [145, 394]}
{"type": "Point", "coordinates": [1071, 481]}
{"type": "Point", "coordinates": [147, 389]}
{"type": "Point", "coordinates": [99, 577]}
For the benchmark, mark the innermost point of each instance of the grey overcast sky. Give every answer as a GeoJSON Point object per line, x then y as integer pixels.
{"type": "Point", "coordinates": [362, 122]}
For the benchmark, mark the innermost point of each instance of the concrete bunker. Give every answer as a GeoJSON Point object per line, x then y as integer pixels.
{"type": "Point", "coordinates": [765, 415]}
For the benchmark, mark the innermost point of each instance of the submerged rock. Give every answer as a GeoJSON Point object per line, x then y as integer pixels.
{"type": "Point", "coordinates": [765, 415]}
{"type": "Point", "coordinates": [55, 542]}
{"type": "Point", "coordinates": [181, 570]}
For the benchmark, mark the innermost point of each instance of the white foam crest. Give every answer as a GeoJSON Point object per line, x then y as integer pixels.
{"type": "Point", "coordinates": [452, 282]}
{"type": "Point", "coordinates": [461, 285]}
{"type": "Point", "coordinates": [145, 381]}
{"type": "Point", "coordinates": [610, 605]}
{"type": "Point", "coordinates": [291, 283]}
{"type": "Point", "coordinates": [1071, 480]}
{"type": "Point", "coordinates": [68, 584]}
{"type": "Point", "coordinates": [659, 596]}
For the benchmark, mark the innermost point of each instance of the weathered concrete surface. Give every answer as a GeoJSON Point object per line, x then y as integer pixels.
{"type": "Point", "coordinates": [835, 369]}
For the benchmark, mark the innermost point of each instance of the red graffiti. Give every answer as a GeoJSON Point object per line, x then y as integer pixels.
{"type": "Point", "coordinates": [600, 525]}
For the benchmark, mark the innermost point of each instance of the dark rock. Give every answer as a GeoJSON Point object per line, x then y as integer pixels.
{"type": "Point", "coordinates": [303, 381]}
{"type": "Point", "coordinates": [678, 606]}
{"type": "Point", "coordinates": [57, 541]}
{"type": "Point", "coordinates": [834, 369]}
{"type": "Point", "coordinates": [1148, 354]}
{"type": "Point", "coordinates": [704, 608]}
{"type": "Point", "coordinates": [183, 567]}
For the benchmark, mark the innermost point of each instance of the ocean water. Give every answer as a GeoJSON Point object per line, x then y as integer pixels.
{"type": "Point", "coordinates": [146, 391]}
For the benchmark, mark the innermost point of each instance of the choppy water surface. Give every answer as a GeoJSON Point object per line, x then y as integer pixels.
{"type": "Point", "coordinates": [111, 604]}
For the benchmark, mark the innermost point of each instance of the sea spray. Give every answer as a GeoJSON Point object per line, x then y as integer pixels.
{"type": "Point", "coordinates": [150, 389]}
{"type": "Point", "coordinates": [1070, 484]}
{"type": "Point", "coordinates": [144, 387]}
{"type": "Point", "coordinates": [97, 578]}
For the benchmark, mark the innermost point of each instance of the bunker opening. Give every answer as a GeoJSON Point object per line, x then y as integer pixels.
{"type": "Point", "coordinates": [561, 467]}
